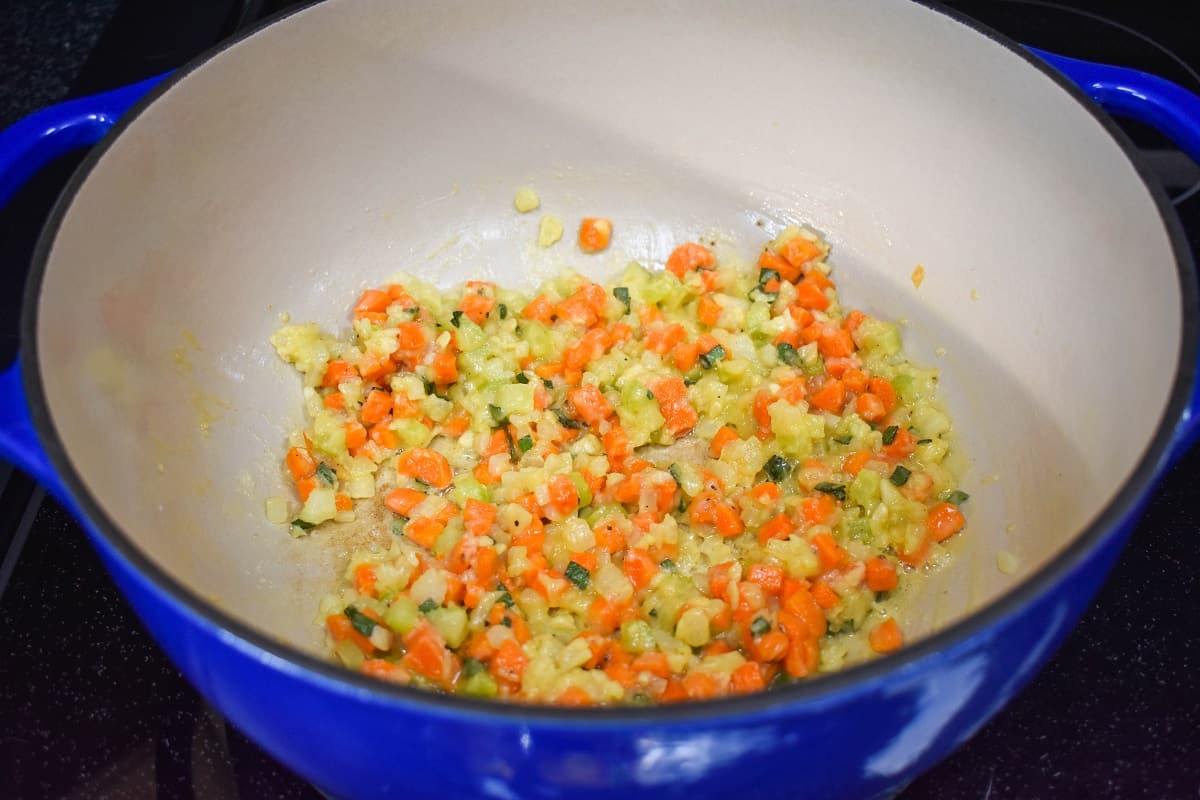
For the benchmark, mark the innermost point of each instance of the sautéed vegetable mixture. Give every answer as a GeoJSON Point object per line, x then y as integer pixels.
{"type": "Point", "coordinates": [698, 481]}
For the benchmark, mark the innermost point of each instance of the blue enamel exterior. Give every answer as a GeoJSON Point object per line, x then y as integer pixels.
{"type": "Point", "coordinates": [860, 738]}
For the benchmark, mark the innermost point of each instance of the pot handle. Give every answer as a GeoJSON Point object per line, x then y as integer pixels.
{"type": "Point", "coordinates": [25, 147]}
{"type": "Point", "coordinates": [1125, 92]}
{"type": "Point", "coordinates": [1174, 112]}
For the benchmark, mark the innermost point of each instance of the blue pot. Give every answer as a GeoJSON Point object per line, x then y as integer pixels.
{"type": "Point", "coordinates": [863, 732]}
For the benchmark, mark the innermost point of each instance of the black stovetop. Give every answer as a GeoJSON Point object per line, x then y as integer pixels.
{"type": "Point", "coordinates": [89, 706]}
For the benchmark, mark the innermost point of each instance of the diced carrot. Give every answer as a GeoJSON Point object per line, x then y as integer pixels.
{"type": "Point", "coordinates": [809, 296]}
{"type": "Point", "coordinates": [343, 502]}
{"type": "Point", "coordinates": [719, 577]}
{"type": "Point", "coordinates": [639, 567]}
{"type": "Point", "coordinates": [654, 663]}
{"type": "Point", "coordinates": [372, 300]}
{"type": "Point", "coordinates": [902, 446]}
{"type": "Point", "coordinates": [799, 250]}
{"type": "Point", "coordinates": [818, 508]}
{"type": "Point", "coordinates": [881, 574]}
{"type": "Point", "coordinates": [604, 616]}
{"type": "Point", "coordinates": [338, 372]}
{"type": "Point", "coordinates": [801, 315]}
{"type": "Point", "coordinates": [701, 685]}
{"type": "Point", "coordinates": [457, 425]}
{"type": "Point", "coordinates": [853, 320]}
{"type": "Point", "coordinates": [662, 339]}
{"type": "Point", "coordinates": [426, 654]}
{"type": "Point", "coordinates": [341, 629]}
{"type": "Point", "coordinates": [478, 517]}
{"type": "Point", "coordinates": [802, 609]}
{"type": "Point", "coordinates": [335, 401]}
{"type": "Point", "coordinates": [589, 404]}
{"type": "Point", "coordinates": [688, 257]}
{"type": "Point", "coordinates": [824, 595]}
{"type": "Point", "coordinates": [766, 493]}
{"type": "Point", "coordinates": [486, 566]}
{"type": "Point", "coordinates": [385, 670]}
{"type": "Point", "coordinates": [305, 486]}
{"type": "Point", "coordinates": [870, 407]}
{"type": "Point", "coordinates": [677, 410]}
{"type": "Point", "coordinates": [477, 306]}
{"type": "Point", "coordinates": [802, 657]}
{"type": "Point", "coordinates": [723, 437]}
{"type": "Point", "coordinates": [609, 537]}
{"type": "Point", "coordinates": [383, 435]}
{"type": "Point", "coordinates": [403, 500]}
{"type": "Point", "coordinates": [564, 497]}
{"type": "Point", "coordinates": [780, 527]}
{"type": "Point", "coordinates": [944, 520]}
{"type": "Point", "coordinates": [836, 344]}
{"type": "Point", "coordinates": [886, 637]}
{"type": "Point", "coordinates": [540, 308]}
{"type": "Point", "coordinates": [829, 552]}
{"type": "Point", "coordinates": [768, 576]}
{"type": "Point", "coordinates": [300, 463]}
{"type": "Point", "coordinates": [594, 234]}
{"type": "Point", "coordinates": [883, 389]}
{"type": "Point", "coordinates": [377, 406]}
{"type": "Point", "coordinates": [424, 530]}
{"type": "Point", "coordinates": [708, 311]}
{"type": "Point", "coordinates": [770, 646]}
{"type": "Point", "coordinates": [444, 368]}
{"type": "Point", "coordinates": [685, 355]}
{"type": "Point", "coordinates": [426, 465]}
{"type": "Point", "coordinates": [819, 278]}
{"type": "Point", "coordinates": [853, 463]}
{"type": "Point", "coordinates": [364, 580]}
{"type": "Point", "coordinates": [574, 697]}
{"type": "Point", "coordinates": [916, 556]}
{"type": "Point", "coordinates": [768, 260]}
{"type": "Point", "coordinates": [830, 397]}
{"type": "Point", "coordinates": [854, 379]}
{"type": "Point", "coordinates": [747, 679]}
{"type": "Point", "coordinates": [616, 444]}
{"type": "Point", "coordinates": [707, 508]}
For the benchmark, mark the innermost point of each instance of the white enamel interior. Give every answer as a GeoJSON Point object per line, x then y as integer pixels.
{"type": "Point", "coordinates": [355, 139]}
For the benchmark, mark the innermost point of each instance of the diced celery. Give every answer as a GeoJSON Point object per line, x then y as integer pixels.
{"type": "Point", "coordinates": [878, 337]}
{"type": "Point", "coordinates": [794, 429]}
{"type": "Point", "coordinates": [451, 623]}
{"type": "Point", "coordinates": [515, 398]}
{"type": "Point", "coordinates": [467, 487]}
{"type": "Point", "coordinates": [411, 433]}
{"type": "Point", "coordinates": [864, 489]}
{"type": "Point", "coordinates": [402, 615]}
{"type": "Point", "coordinates": [319, 507]}
{"type": "Point", "coordinates": [481, 684]}
{"type": "Point", "coordinates": [329, 434]}
{"type": "Point", "coordinates": [637, 637]}
{"type": "Point", "coordinates": [581, 488]}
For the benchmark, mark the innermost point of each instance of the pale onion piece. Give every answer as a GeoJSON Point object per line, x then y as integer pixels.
{"type": "Point", "coordinates": [381, 638]}
{"type": "Point", "coordinates": [430, 586]}
{"type": "Point", "coordinates": [526, 200]}
{"type": "Point", "coordinates": [1007, 562]}
{"type": "Point", "coordinates": [277, 510]}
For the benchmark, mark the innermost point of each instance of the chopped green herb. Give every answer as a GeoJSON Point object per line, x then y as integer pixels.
{"type": "Point", "coordinates": [506, 599]}
{"type": "Point", "coordinates": [765, 276]}
{"type": "Point", "coordinates": [889, 434]}
{"type": "Point", "coordinates": [777, 468]}
{"type": "Point", "coordinates": [759, 626]}
{"type": "Point", "coordinates": [924, 441]}
{"type": "Point", "coordinates": [425, 485]}
{"type": "Point", "coordinates": [361, 622]}
{"type": "Point", "coordinates": [674, 472]}
{"type": "Point", "coordinates": [472, 667]}
{"type": "Point", "coordinates": [498, 415]}
{"type": "Point", "coordinates": [788, 354]}
{"type": "Point", "coordinates": [957, 497]}
{"type": "Point", "coordinates": [549, 384]}
{"type": "Point", "coordinates": [507, 621]}
{"type": "Point", "coordinates": [503, 310]}
{"type": "Point", "coordinates": [838, 490]}
{"type": "Point", "coordinates": [712, 357]}
{"type": "Point", "coordinates": [667, 565]}
{"type": "Point", "coordinates": [690, 381]}
{"type": "Point", "coordinates": [843, 439]}
{"type": "Point", "coordinates": [455, 318]}
{"type": "Point", "coordinates": [622, 294]}
{"type": "Point", "coordinates": [398, 524]}
{"type": "Point", "coordinates": [302, 525]}
{"type": "Point", "coordinates": [577, 574]}
{"type": "Point", "coordinates": [522, 377]}
{"type": "Point", "coordinates": [525, 443]}
{"type": "Point", "coordinates": [900, 475]}
{"type": "Point", "coordinates": [513, 456]}
{"type": "Point", "coordinates": [566, 421]}
{"type": "Point", "coordinates": [429, 604]}
{"type": "Point", "coordinates": [326, 474]}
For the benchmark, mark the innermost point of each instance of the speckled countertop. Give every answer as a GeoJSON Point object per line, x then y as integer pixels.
{"type": "Point", "coordinates": [89, 707]}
